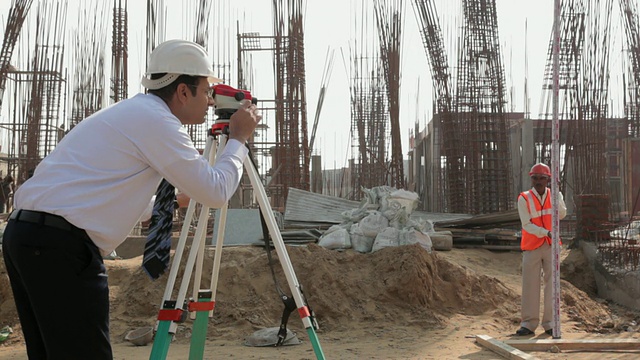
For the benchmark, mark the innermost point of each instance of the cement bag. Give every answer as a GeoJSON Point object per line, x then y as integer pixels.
{"type": "Point", "coordinates": [360, 242]}
{"type": "Point", "coordinates": [354, 215]}
{"type": "Point", "coordinates": [408, 200]}
{"type": "Point", "coordinates": [373, 223]}
{"type": "Point", "coordinates": [376, 194]}
{"type": "Point", "coordinates": [441, 240]}
{"type": "Point", "coordinates": [423, 224]}
{"type": "Point", "coordinates": [393, 210]}
{"type": "Point", "coordinates": [413, 236]}
{"type": "Point", "coordinates": [336, 228]}
{"type": "Point", "coordinates": [388, 237]}
{"type": "Point", "coordinates": [338, 239]}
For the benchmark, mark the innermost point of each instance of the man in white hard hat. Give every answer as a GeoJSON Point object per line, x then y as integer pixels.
{"type": "Point", "coordinates": [534, 208]}
{"type": "Point", "coordinates": [88, 193]}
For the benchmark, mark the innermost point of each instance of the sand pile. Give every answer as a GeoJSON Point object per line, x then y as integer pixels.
{"type": "Point", "coordinates": [404, 285]}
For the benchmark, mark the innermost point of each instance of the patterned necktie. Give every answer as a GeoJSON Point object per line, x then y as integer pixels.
{"type": "Point", "coordinates": [158, 245]}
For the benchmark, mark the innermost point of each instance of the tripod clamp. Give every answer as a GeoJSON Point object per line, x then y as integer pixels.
{"type": "Point", "coordinates": [220, 127]}
{"type": "Point", "coordinates": [289, 307]}
{"type": "Point", "coordinates": [170, 312]}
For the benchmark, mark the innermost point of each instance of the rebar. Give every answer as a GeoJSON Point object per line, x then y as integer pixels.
{"type": "Point", "coordinates": [119, 52]}
{"type": "Point", "coordinates": [17, 14]}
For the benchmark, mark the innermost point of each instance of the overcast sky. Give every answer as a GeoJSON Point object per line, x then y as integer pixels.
{"type": "Point", "coordinates": [328, 24]}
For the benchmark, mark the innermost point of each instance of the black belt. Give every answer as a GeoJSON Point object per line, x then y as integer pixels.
{"type": "Point", "coordinates": [46, 219]}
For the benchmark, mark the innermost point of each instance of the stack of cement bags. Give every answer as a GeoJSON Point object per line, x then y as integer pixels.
{"type": "Point", "coordinates": [382, 220]}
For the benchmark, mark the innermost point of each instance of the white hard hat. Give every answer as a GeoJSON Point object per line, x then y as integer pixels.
{"type": "Point", "coordinates": [175, 58]}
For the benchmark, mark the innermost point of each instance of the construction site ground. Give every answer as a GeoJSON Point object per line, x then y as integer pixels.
{"type": "Point", "coordinates": [397, 303]}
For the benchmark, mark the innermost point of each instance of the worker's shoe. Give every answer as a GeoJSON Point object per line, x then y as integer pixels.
{"type": "Point", "coordinates": [549, 332]}
{"type": "Point", "coordinates": [523, 331]}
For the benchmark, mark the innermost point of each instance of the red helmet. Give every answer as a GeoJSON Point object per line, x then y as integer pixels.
{"type": "Point", "coordinates": [540, 169]}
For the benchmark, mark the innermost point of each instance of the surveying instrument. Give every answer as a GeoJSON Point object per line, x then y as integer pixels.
{"type": "Point", "coordinates": [172, 312]}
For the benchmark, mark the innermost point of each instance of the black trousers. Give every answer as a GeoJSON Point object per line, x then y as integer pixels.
{"type": "Point", "coordinates": [59, 283]}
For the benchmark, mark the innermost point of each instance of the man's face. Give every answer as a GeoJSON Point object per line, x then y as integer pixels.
{"type": "Point", "coordinates": [539, 182]}
{"type": "Point", "coordinates": [197, 105]}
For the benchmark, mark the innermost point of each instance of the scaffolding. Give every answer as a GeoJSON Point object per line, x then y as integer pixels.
{"type": "Point", "coordinates": [388, 16]}
{"type": "Point", "coordinates": [17, 14]}
{"type": "Point", "coordinates": [369, 109]}
{"type": "Point", "coordinates": [289, 150]}
{"type": "Point", "coordinates": [34, 126]}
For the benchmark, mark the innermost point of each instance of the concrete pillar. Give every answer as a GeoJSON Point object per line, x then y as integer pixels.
{"type": "Point", "coordinates": [316, 174]}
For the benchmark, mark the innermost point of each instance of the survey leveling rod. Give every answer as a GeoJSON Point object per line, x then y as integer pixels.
{"type": "Point", "coordinates": [555, 176]}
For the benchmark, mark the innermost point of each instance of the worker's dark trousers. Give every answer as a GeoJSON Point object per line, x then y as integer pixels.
{"type": "Point", "coordinates": [59, 283]}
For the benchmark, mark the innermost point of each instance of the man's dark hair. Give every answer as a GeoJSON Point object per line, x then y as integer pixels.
{"type": "Point", "coordinates": [167, 92]}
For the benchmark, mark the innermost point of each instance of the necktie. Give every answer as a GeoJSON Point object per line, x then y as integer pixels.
{"type": "Point", "coordinates": [156, 250]}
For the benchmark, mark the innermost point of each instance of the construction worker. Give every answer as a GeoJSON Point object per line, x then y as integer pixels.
{"type": "Point", "coordinates": [534, 208]}
{"type": "Point", "coordinates": [86, 196]}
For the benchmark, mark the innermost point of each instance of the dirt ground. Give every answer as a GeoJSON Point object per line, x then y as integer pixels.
{"type": "Point", "coordinates": [397, 303]}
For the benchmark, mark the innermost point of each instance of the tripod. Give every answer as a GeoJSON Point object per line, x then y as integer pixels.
{"type": "Point", "coordinates": [175, 311]}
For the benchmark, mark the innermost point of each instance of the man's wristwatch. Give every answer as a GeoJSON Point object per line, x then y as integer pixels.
{"type": "Point", "coordinates": [176, 204]}
{"type": "Point", "coordinates": [549, 233]}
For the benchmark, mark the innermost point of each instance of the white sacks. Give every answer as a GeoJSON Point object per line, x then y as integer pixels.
{"type": "Point", "coordinates": [382, 220]}
{"type": "Point", "coordinates": [387, 238]}
{"type": "Point", "coordinates": [360, 242]}
{"type": "Point", "coordinates": [373, 223]}
{"type": "Point", "coordinates": [408, 200]}
{"type": "Point", "coordinates": [394, 237]}
{"type": "Point", "coordinates": [336, 237]}
{"type": "Point", "coordinates": [413, 236]}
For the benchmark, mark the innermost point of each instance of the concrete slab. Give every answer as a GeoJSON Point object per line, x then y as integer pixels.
{"type": "Point", "coordinates": [243, 227]}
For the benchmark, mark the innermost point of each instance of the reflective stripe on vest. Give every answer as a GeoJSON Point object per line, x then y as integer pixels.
{"type": "Point", "coordinates": [540, 216]}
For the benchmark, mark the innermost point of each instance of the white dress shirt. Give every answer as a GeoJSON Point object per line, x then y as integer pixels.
{"type": "Point", "coordinates": [103, 174]}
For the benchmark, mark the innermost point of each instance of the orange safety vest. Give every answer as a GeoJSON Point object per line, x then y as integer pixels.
{"type": "Point", "coordinates": [540, 216]}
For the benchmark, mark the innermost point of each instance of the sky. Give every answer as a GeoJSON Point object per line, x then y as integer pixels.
{"type": "Point", "coordinates": [329, 25]}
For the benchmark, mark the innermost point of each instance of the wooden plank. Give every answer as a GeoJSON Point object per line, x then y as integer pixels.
{"type": "Point", "coordinates": [502, 349]}
{"type": "Point", "coordinates": [576, 344]}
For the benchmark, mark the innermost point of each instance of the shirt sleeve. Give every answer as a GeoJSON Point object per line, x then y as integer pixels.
{"type": "Point", "coordinates": [525, 219]}
{"type": "Point", "coordinates": [213, 185]}
{"type": "Point", "coordinates": [562, 207]}
{"type": "Point", "coordinates": [168, 148]}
